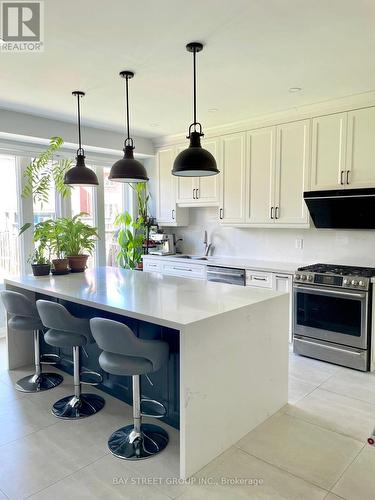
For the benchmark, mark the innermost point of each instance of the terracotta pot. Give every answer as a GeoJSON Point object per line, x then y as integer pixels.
{"type": "Point", "coordinates": [78, 263]}
{"type": "Point", "coordinates": [41, 269]}
{"type": "Point", "coordinates": [60, 265]}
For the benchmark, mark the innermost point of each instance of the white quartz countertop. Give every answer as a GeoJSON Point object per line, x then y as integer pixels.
{"type": "Point", "coordinates": [235, 262]}
{"type": "Point", "coordinates": [163, 300]}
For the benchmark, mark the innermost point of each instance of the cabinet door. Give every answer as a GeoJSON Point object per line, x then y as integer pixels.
{"type": "Point", "coordinates": [328, 151]}
{"type": "Point", "coordinates": [283, 283]}
{"type": "Point", "coordinates": [208, 187]}
{"type": "Point", "coordinates": [186, 189]}
{"type": "Point", "coordinates": [232, 206]}
{"type": "Point", "coordinates": [292, 171]}
{"type": "Point", "coordinates": [260, 175]}
{"type": "Point", "coordinates": [166, 186]}
{"type": "Point", "coordinates": [361, 148]}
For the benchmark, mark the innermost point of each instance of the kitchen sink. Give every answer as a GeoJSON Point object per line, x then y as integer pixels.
{"type": "Point", "coordinates": [192, 257]}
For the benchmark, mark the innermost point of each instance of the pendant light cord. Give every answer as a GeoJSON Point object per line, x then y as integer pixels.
{"type": "Point", "coordinates": [128, 140]}
{"type": "Point", "coordinates": [80, 149]}
{"type": "Point", "coordinates": [195, 123]}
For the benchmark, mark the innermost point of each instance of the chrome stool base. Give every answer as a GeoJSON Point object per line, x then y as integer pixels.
{"type": "Point", "coordinates": [125, 443]}
{"type": "Point", "coordinates": [73, 407]}
{"type": "Point", "coordinates": [39, 383]}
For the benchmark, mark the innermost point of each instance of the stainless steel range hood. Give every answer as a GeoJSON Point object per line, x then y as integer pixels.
{"type": "Point", "coordinates": [342, 208]}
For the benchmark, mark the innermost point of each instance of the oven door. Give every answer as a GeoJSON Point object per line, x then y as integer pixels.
{"type": "Point", "coordinates": [331, 314]}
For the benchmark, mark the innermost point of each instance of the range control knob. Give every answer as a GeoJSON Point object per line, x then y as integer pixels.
{"type": "Point", "coordinates": [354, 282]}
{"type": "Point", "coordinates": [309, 277]}
{"type": "Point", "coordinates": [303, 277]}
{"type": "Point", "coordinates": [362, 283]}
{"type": "Point", "coordinates": [346, 281]}
{"type": "Point", "coordinates": [297, 276]}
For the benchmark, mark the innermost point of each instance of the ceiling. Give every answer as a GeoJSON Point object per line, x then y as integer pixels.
{"type": "Point", "coordinates": [255, 51]}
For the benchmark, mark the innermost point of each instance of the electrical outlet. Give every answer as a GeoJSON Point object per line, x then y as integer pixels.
{"type": "Point", "coordinates": [299, 243]}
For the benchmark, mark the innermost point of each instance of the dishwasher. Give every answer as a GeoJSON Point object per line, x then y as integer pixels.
{"type": "Point", "coordinates": [229, 275]}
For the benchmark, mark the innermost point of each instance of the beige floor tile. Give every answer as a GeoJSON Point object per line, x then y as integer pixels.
{"type": "Point", "coordinates": [358, 481]}
{"type": "Point", "coordinates": [299, 388]}
{"type": "Point", "coordinates": [311, 370]}
{"type": "Point", "coordinates": [107, 478]}
{"type": "Point", "coordinates": [263, 480]}
{"type": "Point", "coordinates": [21, 417]}
{"type": "Point", "coordinates": [307, 451]}
{"type": "Point", "coordinates": [354, 384]}
{"type": "Point", "coordinates": [332, 496]}
{"type": "Point", "coordinates": [9, 393]}
{"type": "Point", "coordinates": [3, 496]}
{"type": "Point", "coordinates": [336, 412]}
{"type": "Point", "coordinates": [42, 458]}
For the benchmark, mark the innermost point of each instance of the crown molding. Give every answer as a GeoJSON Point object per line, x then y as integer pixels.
{"type": "Point", "coordinates": [339, 105]}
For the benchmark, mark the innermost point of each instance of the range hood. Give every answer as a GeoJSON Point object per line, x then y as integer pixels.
{"type": "Point", "coordinates": [342, 208]}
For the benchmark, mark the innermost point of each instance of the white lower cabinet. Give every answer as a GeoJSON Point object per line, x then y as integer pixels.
{"type": "Point", "coordinates": [279, 282]}
{"type": "Point", "coordinates": [174, 268]}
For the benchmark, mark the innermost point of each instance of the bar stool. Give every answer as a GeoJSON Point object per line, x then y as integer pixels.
{"type": "Point", "coordinates": [24, 317]}
{"type": "Point", "coordinates": [125, 354]}
{"type": "Point", "coordinates": [66, 330]}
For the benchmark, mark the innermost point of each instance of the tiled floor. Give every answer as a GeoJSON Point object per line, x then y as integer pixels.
{"type": "Point", "coordinates": [314, 448]}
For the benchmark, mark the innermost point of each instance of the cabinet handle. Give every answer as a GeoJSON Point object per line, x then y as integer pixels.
{"type": "Point", "coordinates": [182, 269]}
{"type": "Point", "coordinates": [271, 215]}
{"type": "Point", "coordinates": [256, 278]}
{"type": "Point", "coordinates": [197, 194]}
{"type": "Point", "coordinates": [277, 210]}
{"type": "Point", "coordinates": [347, 176]}
{"type": "Point", "coordinates": [193, 194]}
{"type": "Point", "coordinates": [342, 177]}
{"type": "Point", "coordinates": [221, 212]}
{"type": "Point", "coordinates": [173, 211]}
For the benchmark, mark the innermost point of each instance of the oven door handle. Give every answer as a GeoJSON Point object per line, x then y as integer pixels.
{"type": "Point", "coordinates": [327, 291]}
{"type": "Point", "coordinates": [328, 346]}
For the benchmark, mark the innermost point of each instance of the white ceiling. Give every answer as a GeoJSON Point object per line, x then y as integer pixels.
{"type": "Point", "coordinates": [255, 51]}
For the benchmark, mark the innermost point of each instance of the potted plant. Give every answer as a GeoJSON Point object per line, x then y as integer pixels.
{"type": "Point", "coordinates": [56, 236]}
{"type": "Point", "coordinates": [130, 237]}
{"type": "Point", "coordinates": [78, 241]}
{"type": "Point", "coordinates": [40, 263]}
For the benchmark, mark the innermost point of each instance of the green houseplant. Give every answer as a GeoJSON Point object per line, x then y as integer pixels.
{"type": "Point", "coordinates": [78, 241]}
{"type": "Point", "coordinates": [131, 232]}
{"type": "Point", "coordinates": [44, 170]}
{"type": "Point", "coordinates": [40, 258]}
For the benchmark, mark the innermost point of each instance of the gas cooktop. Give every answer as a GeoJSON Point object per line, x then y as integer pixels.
{"type": "Point", "coordinates": [366, 272]}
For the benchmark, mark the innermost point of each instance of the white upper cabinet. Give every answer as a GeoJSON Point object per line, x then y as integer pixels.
{"type": "Point", "coordinates": [292, 173]}
{"type": "Point", "coordinates": [233, 166]}
{"type": "Point", "coordinates": [200, 191]}
{"type": "Point", "coordinates": [343, 150]}
{"type": "Point", "coordinates": [167, 213]}
{"type": "Point", "coordinates": [278, 173]}
{"type": "Point", "coordinates": [360, 163]}
{"type": "Point", "coordinates": [328, 169]}
{"type": "Point", "coordinates": [261, 171]}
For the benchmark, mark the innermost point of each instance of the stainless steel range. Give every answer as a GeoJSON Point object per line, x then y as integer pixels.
{"type": "Point", "coordinates": [332, 314]}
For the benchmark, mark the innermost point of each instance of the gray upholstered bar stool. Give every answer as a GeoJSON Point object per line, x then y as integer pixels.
{"type": "Point", "coordinates": [125, 354]}
{"type": "Point", "coordinates": [24, 317]}
{"type": "Point", "coordinates": [66, 330]}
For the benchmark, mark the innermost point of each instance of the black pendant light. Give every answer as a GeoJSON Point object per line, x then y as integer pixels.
{"type": "Point", "coordinates": [195, 161]}
{"type": "Point", "coordinates": [128, 169]}
{"type": "Point", "coordinates": [80, 175]}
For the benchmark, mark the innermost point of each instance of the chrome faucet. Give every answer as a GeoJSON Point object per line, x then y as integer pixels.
{"type": "Point", "coordinates": [207, 246]}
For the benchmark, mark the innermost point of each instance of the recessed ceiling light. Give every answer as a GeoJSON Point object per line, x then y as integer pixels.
{"type": "Point", "coordinates": [213, 110]}
{"type": "Point", "coordinates": [295, 89]}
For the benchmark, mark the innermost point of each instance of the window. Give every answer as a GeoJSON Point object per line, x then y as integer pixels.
{"type": "Point", "coordinates": [9, 217]}
{"type": "Point", "coordinates": [82, 200]}
{"type": "Point", "coordinates": [45, 210]}
{"type": "Point", "coordinates": [114, 203]}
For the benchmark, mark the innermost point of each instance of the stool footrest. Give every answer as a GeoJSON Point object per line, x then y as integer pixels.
{"type": "Point", "coordinates": [92, 378]}
{"type": "Point", "coordinates": [49, 359]}
{"type": "Point", "coordinates": [152, 408]}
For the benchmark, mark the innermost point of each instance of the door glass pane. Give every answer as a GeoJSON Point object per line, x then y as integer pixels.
{"type": "Point", "coordinates": [333, 314]}
{"type": "Point", "coordinates": [45, 210]}
{"type": "Point", "coordinates": [113, 205]}
{"type": "Point", "coordinates": [82, 200]}
{"type": "Point", "coordinates": [9, 240]}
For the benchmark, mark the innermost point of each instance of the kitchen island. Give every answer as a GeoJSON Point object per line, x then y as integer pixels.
{"type": "Point", "coordinates": [229, 347]}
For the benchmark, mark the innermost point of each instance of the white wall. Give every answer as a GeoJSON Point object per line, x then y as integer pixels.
{"type": "Point", "coordinates": [319, 245]}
